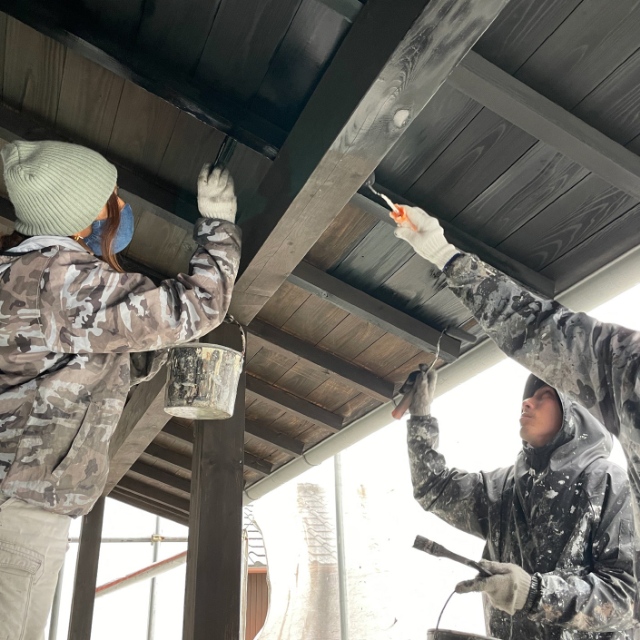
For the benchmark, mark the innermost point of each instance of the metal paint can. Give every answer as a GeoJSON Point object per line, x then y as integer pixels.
{"type": "Point", "coordinates": [202, 381]}
{"type": "Point", "coordinates": [447, 634]}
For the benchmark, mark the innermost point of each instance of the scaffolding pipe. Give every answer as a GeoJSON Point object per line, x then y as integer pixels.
{"type": "Point", "coordinates": [55, 607]}
{"type": "Point", "coordinates": [150, 540]}
{"type": "Point", "coordinates": [342, 567]}
{"type": "Point", "coordinates": [147, 573]}
{"type": "Point", "coordinates": [152, 588]}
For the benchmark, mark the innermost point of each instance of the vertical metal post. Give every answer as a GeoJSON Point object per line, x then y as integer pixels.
{"type": "Point", "coordinates": [84, 588]}
{"type": "Point", "coordinates": [55, 607]}
{"type": "Point", "coordinates": [342, 569]}
{"type": "Point", "coordinates": [214, 556]}
{"type": "Point", "coordinates": [152, 588]}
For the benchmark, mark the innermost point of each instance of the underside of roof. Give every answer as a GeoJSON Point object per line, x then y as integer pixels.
{"type": "Point", "coordinates": [524, 147]}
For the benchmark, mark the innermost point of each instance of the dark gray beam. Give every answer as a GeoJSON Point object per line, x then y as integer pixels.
{"type": "Point", "coordinates": [378, 313]}
{"type": "Point", "coordinates": [390, 64]}
{"type": "Point", "coordinates": [154, 494]}
{"type": "Point", "coordinates": [298, 406]}
{"type": "Point", "coordinates": [63, 23]}
{"type": "Point", "coordinates": [163, 477]}
{"type": "Point", "coordinates": [527, 276]}
{"type": "Point", "coordinates": [296, 349]}
{"type": "Point", "coordinates": [348, 9]}
{"type": "Point", "coordinates": [134, 500]}
{"type": "Point", "coordinates": [540, 117]}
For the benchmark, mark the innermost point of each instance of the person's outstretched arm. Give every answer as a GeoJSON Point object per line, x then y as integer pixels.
{"type": "Point", "coordinates": [457, 497]}
{"type": "Point", "coordinates": [596, 363]}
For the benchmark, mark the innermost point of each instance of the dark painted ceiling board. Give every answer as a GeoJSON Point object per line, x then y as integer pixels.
{"type": "Point", "coordinates": [621, 235]}
{"type": "Point", "coordinates": [548, 122]}
{"type": "Point", "coordinates": [387, 354]}
{"type": "Point", "coordinates": [314, 320]}
{"type": "Point", "coordinates": [313, 37]}
{"type": "Point", "coordinates": [613, 106]}
{"type": "Point", "coordinates": [340, 238]}
{"type": "Point", "coordinates": [88, 103]}
{"type": "Point", "coordinates": [269, 366]}
{"type": "Point", "coordinates": [120, 19]}
{"type": "Point", "coordinates": [33, 70]}
{"type": "Point", "coordinates": [487, 147]}
{"type": "Point", "coordinates": [252, 31]}
{"type": "Point", "coordinates": [534, 181]}
{"type": "Point", "coordinates": [376, 257]}
{"type": "Point", "coordinates": [593, 41]}
{"type": "Point", "coordinates": [3, 44]}
{"type": "Point", "coordinates": [520, 29]}
{"type": "Point", "coordinates": [175, 32]}
{"type": "Point", "coordinates": [448, 113]}
{"type": "Point", "coordinates": [351, 337]}
{"type": "Point", "coordinates": [586, 209]}
{"type": "Point", "coordinates": [247, 167]}
{"type": "Point", "coordinates": [357, 407]}
{"type": "Point", "coordinates": [332, 395]}
{"type": "Point", "coordinates": [283, 304]}
{"type": "Point", "coordinates": [192, 143]}
{"type": "Point", "coordinates": [303, 379]}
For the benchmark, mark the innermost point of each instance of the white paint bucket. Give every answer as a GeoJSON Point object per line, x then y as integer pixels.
{"type": "Point", "coordinates": [202, 381]}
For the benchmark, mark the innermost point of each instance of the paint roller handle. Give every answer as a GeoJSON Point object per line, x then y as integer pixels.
{"type": "Point", "coordinates": [433, 548]}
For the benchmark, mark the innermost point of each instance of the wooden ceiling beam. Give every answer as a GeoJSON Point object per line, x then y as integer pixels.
{"type": "Point", "coordinates": [299, 407]}
{"type": "Point", "coordinates": [517, 103]}
{"type": "Point", "coordinates": [134, 500]}
{"type": "Point", "coordinates": [527, 276]}
{"type": "Point", "coordinates": [154, 494]}
{"type": "Point", "coordinates": [390, 64]}
{"type": "Point", "coordinates": [63, 23]}
{"type": "Point", "coordinates": [288, 345]}
{"type": "Point", "coordinates": [378, 313]}
{"type": "Point", "coordinates": [161, 476]}
{"type": "Point", "coordinates": [280, 440]}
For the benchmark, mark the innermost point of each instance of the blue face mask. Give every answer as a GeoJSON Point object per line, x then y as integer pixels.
{"type": "Point", "coordinates": [123, 234]}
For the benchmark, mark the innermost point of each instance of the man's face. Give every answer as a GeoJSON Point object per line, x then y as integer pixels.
{"type": "Point", "coordinates": [541, 417]}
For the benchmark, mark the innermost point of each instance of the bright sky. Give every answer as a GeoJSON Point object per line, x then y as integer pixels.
{"type": "Point", "coordinates": [399, 590]}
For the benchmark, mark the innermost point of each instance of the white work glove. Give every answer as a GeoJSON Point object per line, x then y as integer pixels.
{"type": "Point", "coordinates": [508, 586]}
{"type": "Point", "coordinates": [216, 198]}
{"type": "Point", "coordinates": [428, 241]}
{"type": "Point", "coordinates": [417, 393]}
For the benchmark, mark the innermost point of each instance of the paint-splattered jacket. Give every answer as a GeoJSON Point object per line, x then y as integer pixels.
{"type": "Point", "coordinates": [562, 512]}
{"type": "Point", "coordinates": [72, 333]}
{"type": "Point", "coordinates": [596, 363]}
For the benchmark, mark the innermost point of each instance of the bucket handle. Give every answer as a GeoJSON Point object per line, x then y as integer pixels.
{"type": "Point", "coordinates": [231, 320]}
{"type": "Point", "coordinates": [435, 635]}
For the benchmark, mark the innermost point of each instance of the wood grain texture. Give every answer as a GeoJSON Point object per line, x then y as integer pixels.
{"type": "Point", "coordinates": [548, 122]}
{"type": "Point", "coordinates": [253, 32]}
{"type": "Point", "coordinates": [520, 29]}
{"type": "Point", "coordinates": [593, 41]}
{"type": "Point", "coordinates": [33, 70]}
{"type": "Point", "coordinates": [119, 18]}
{"type": "Point", "coordinates": [175, 32]}
{"type": "Point", "coordinates": [381, 93]}
{"type": "Point", "coordinates": [143, 128]}
{"type": "Point", "coordinates": [621, 235]}
{"type": "Point", "coordinates": [433, 130]}
{"type": "Point", "coordinates": [132, 500]}
{"type": "Point", "coordinates": [351, 337]}
{"type": "Point", "coordinates": [89, 99]}
{"type": "Point", "coordinates": [519, 194]}
{"type": "Point", "coordinates": [573, 218]}
{"type": "Point", "coordinates": [486, 148]}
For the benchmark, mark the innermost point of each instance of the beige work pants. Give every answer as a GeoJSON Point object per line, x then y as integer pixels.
{"type": "Point", "coordinates": [33, 543]}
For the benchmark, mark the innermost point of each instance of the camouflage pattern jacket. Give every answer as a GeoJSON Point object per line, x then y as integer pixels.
{"type": "Point", "coordinates": [596, 363]}
{"type": "Point", "coordinates": [562, 512]}
{"type": "Point", "coordinates": [70, 328]}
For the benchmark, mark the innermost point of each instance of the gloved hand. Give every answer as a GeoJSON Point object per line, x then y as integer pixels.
{"type": "Point", "coordinates": [428, 241]}
{"type": "Point", "coordinates": [418, 391]}
{"type": "Point", "coordinates": [508, 586]}
{"type": "Point", "coordinates": [216, 198]}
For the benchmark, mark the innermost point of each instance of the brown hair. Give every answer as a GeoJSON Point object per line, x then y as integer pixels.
{"type": "Point", "coordinates": [109, 233]}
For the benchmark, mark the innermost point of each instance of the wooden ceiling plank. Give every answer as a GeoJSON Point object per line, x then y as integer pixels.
{"type": "Point", "coordinates": [384, 73]}
{"type": "Point", "coordinates": [292, 404]}
{"type": "Point", "coordinates": [154, 494]}
{"type": "Point", "coordinates": [466, 242]}
{"type": "Point", "coordinates": [350, 374]}
{"type": "Point", "coordinates": [540, 117]}
{"type": "Point", "coordinates": [56, 21]}
{"type": "Point", "coordinates": [280, 440]}
{"type": "Point", "coordinates": [163, 477]}
{"type": "Point", "coordinates": [374, 311]}
{"type": "Point", "coordinates": [133, 500]}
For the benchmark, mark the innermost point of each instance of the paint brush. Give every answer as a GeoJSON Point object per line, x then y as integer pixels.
{"type": "Point", "coordinates": [433, 548]}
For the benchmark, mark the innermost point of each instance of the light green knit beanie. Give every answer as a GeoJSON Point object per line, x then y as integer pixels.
{"type": "Point", "coordinates": [56, 188]}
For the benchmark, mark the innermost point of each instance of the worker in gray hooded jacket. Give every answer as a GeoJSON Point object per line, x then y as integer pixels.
{"type": "Point", "coordinates": [558, 524]}
{"type": "Point", "coordinates": [75, 334]}
{"type": "Point", "coordinates": [595, 363]}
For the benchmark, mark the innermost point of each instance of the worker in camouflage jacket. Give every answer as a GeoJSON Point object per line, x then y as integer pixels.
{"type": "Point", "coordinates": [75, 333]}
{"type": "Point", "coordinates": [558, 524]}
